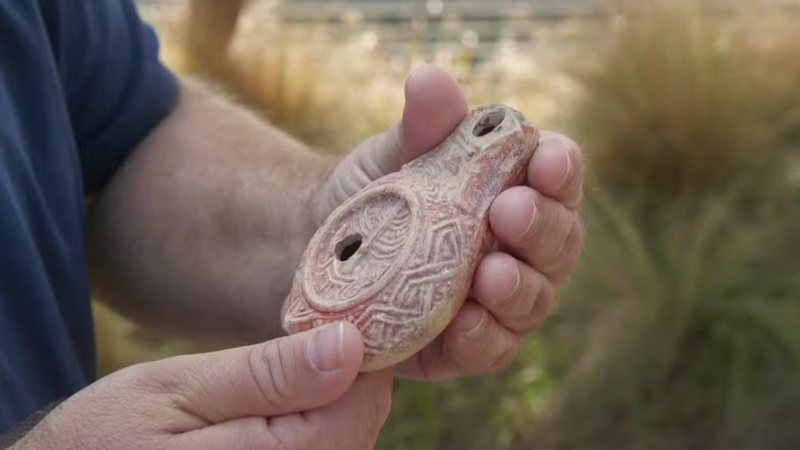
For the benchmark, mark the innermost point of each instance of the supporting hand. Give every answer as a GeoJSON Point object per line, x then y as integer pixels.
{"type": "Point", "coordinates": [300, 391]}
{"type": "Point", "coordinates": [537, 227]}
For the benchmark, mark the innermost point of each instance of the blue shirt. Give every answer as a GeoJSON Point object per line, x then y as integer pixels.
{"type": "Point", "coordinates": [80, 86]}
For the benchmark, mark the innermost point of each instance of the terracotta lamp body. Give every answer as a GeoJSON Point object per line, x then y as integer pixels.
{"type": "Point", "coordinates": [397, 259]}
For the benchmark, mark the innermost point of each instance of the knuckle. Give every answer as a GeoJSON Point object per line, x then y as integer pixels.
{"type": "Point", "coordinates": [278, 442]}
{"type": "Point", "coordinates": [261, 436]}
{"type": "Point", "coordinates": [488, 363]}
{"type": "Point", "coordinates": [503, 356]}
{"type": "Point", "coordinates": [269, 371]}
{"type": "Point", "coordinates": [484, 365]}
{"type": "Point", "coordinates": [541, 307]}
{"type": "Point", "coordinates": [577, 197]}
{"type": "Point", "coordinates": [477, 332]}
{"type": "Point", "coordinates": [452, 351]}
{"type": "Point", "coordinates": [511, 306]}
{"type": "Point", "coordinates": [490, 354]}
{"type": "Point", "coordinates": [518, 316]}
{"type": "Point", "coordinates": [566, 237]}
{"type": "Point", "coordinates": [575, 240]}
{"type": "Point", "coordinates": [570, 250]}
{"type": "Point", "coordinates": [524, 318]}
{"type": "Point", "coordinates": [519, 306]}
{"type": "Point", "coordinates": [164, 383]}
{"type": "Point", "coordinates": [149, 377]}
{"type": "Point", "coordinates": [572, 238]}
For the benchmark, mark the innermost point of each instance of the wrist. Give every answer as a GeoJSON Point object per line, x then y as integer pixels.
{"type": "Point", "coordinates": [29, 433]}
{"type": "Point", "coordinates": [39, 436]}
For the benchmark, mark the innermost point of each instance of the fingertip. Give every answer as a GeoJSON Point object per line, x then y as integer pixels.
{"type": "Point", "coordinates": [555, 169]}
{"type": "Point", "coordinates": [512, 214]}
{"type": "Point", "coordinates": [497, 278]}
{"type": "Point", "coordinates": [335, 353]}
{"type": "Point", "coordinates": [435, 105]}
{"type": "Point", "coordinates": [550, 166]}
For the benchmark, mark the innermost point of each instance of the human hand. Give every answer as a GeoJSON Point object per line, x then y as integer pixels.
{"type": "Point", "coordinates": [537, 227]}
{"type": "Point", "coordinates": [296, 392]}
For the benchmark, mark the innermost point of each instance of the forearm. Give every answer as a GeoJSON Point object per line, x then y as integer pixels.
{"type": "Point", "coordinates": [200, 230]}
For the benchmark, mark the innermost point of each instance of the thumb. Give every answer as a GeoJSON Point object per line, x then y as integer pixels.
{"type": "Point", "coordinates": [435, 105]}
{"type": "Point", "coordinates": [285, 375]}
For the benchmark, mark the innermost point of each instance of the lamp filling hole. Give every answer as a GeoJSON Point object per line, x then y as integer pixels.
{"type": "Point", "coordinates": [348, 247]}
{"type": "Point", "coordinates": [488, 123]}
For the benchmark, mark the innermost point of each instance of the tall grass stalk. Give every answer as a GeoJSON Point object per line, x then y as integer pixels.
{"type": "Point", "coordinates": [684, 319]}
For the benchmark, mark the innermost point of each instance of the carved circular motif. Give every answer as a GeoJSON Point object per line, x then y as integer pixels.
{"type": "Point", "coordinates": [360, 248]}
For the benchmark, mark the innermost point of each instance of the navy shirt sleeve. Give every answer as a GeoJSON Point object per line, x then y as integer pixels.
{"type": "Point", "coordinates": [80, 86]}
{"type": "Point", "coordinates": [116, 88]}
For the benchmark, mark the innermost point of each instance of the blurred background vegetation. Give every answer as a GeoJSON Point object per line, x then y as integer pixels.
{"type": "Point", "coordinates": [681, 327]}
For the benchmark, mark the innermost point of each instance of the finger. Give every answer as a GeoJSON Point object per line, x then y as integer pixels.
{"type": "Point", "coordinates": [516, 295]}
{"type": "Point", "coordinates": [281, 376]}
{"type": "Point", "coordinates": [556, 169]}
{"type": "Point", "coordinates": [473, 343]}
{"type": "Point", "coordinates": [248, 433]}
{"type": "Point", "coordinates": [537, 229]}
{"type": "Point", "coordinates": [351, 422]}
{"type": "Point", "coordinates": [354, 420]}
{"type": "Point", "coordinates": [434, 106]}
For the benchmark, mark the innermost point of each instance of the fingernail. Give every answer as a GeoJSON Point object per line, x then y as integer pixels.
{"type": "Point", "coordinates": [567, 168]}
{"type": "Point", "coordinates": [471, 326]}
{"type": "Point", "coordinates": [531, 220]}
{"type": "Point", "coordinates": [325, 349]}
{"type": "Point", "coordinates": [514, 289]}
{"type": "Point", "coordinates": [550, 160]}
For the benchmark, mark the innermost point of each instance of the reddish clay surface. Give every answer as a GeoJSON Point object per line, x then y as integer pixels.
{"type": "Point", "coordinates": [397, 259]}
